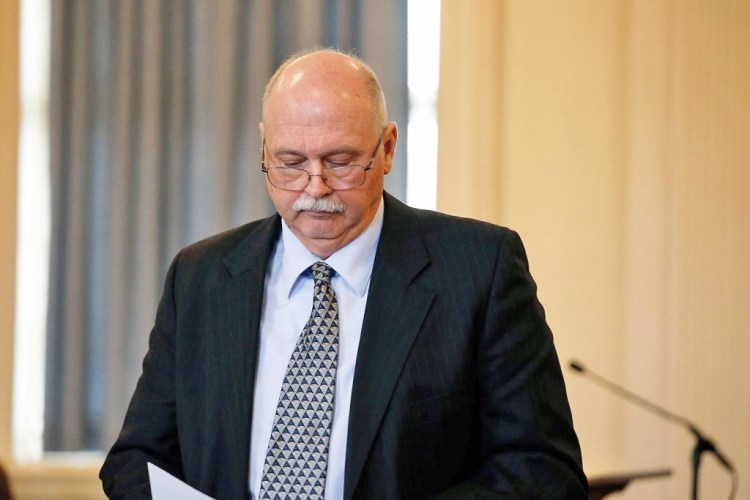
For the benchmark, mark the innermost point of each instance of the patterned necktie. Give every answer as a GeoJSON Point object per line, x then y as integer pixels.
{"type": "Point", "coordinates": [297, 456]}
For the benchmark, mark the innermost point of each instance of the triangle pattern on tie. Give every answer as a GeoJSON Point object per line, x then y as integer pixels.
{"type": "Point", "coordinates": [297, 456]}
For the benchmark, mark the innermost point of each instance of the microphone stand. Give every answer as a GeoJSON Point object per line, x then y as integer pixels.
{"type": "Point", "coordinates": [702, 443]}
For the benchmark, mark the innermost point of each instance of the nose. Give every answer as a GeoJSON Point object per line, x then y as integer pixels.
{"type": "Point", "coordinates": [317, 188]}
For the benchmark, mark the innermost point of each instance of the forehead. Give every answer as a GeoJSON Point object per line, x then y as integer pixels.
{"type": "Point", "coordinates": [322, 119]}
{"type": "Point", "coordinates": [316, 105]}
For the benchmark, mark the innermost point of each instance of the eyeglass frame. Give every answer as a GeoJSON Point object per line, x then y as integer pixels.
{"type": "Point", "coordinates": [322, 175]}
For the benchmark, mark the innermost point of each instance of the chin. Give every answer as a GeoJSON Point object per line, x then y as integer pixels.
{"type": "Point", "coordinates": [319, 229]}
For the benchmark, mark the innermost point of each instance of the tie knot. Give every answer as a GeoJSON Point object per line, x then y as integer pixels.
{"type": "Point", "coordinates": [321, 272]}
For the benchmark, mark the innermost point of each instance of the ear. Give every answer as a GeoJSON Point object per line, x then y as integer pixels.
{"type": "Point", "coordinates": [390, 138]}
{"type": "Point", "coordinates": [262, 130]}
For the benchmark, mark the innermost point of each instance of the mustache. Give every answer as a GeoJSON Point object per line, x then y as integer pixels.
{"type": "Point", "coordinates": [325, 204]}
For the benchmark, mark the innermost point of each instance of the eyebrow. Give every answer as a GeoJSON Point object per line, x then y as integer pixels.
{"type": "Point", "coordinates": [337, 151]}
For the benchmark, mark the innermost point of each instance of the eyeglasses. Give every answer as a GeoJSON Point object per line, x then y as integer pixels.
{"type": "Point", "coordinates": [337, 177]}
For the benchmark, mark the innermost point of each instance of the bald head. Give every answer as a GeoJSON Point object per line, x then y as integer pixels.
{"type": "Point", "coordinates": [343, 77]}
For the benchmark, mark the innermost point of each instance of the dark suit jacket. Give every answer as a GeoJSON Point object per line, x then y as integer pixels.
{"type": "Point", "coordinates": [457, 389]}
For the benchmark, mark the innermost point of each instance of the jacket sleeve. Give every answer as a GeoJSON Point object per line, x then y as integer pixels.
{"type": "Point", "coordinates": [149, 433]}
{"type": "Point", "coordinates": [528, 446]}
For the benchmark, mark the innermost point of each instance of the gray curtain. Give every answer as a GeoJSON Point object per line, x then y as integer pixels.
{"type": "Point", "coordinates": [154, 107]}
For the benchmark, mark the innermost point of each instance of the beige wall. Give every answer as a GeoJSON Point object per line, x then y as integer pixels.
{"type": "Point", "coordinates": [615, 137]}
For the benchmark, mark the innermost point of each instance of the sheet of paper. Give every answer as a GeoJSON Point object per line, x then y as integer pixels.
{"type": "Point", "coordinates": [164, 486]}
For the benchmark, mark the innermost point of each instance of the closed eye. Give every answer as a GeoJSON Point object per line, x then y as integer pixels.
{"type": "Point", "coordinates": [337, 164]}
{"type": "Point", "coordinates": [297, 164]}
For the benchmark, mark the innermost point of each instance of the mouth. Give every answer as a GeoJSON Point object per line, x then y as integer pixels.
{"type": "Point", "coordinates": [318, 214]}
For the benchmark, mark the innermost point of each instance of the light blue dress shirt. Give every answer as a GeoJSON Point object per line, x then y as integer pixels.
{"type": "Point", "coordinates": [287, 304]}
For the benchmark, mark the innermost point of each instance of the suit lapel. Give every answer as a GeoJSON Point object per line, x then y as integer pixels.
{"type": "Point", "coordinates": [396, 308]}
{"type": "Point", "coordinates": [240, 302]}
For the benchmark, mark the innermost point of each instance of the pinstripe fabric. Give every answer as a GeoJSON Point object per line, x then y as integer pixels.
{"type": "Point", "coordinates": [457, 387]}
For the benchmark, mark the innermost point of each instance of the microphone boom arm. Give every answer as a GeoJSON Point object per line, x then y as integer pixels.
{"type": "Point", "coordinates": [702, 444]}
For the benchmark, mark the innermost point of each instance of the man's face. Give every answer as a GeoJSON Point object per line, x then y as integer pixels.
{"type": "Point", "coordinates": [315, 128]}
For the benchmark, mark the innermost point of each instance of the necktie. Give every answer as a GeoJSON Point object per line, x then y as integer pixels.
{"type": "Point", "coordinates": [297, 456]}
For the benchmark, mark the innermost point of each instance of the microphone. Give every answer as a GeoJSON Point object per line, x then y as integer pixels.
{"type": "Point", "coordinates": [703, 443]}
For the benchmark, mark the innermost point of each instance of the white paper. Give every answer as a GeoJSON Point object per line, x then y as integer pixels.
{"type": "Point", "coordinates": [164, 486]}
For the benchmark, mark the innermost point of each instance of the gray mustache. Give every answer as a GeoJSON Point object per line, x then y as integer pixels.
{"type": "Point", "coordinates": [327, 204]}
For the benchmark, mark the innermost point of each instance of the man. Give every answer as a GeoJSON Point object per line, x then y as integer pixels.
{"type": "Point", "coordinates": [425, 369]}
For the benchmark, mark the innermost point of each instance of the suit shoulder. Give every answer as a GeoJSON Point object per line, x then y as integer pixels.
{"type": "Point", "coordinates": [444, 226]}
{"type": "Point", "coordinates": [223, 241]}
{"type": "Point", "coordinates": [206, 253]}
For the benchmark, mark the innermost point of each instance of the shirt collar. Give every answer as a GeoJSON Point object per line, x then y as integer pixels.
{"type": "Point", "coordinates": [353, 263]}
